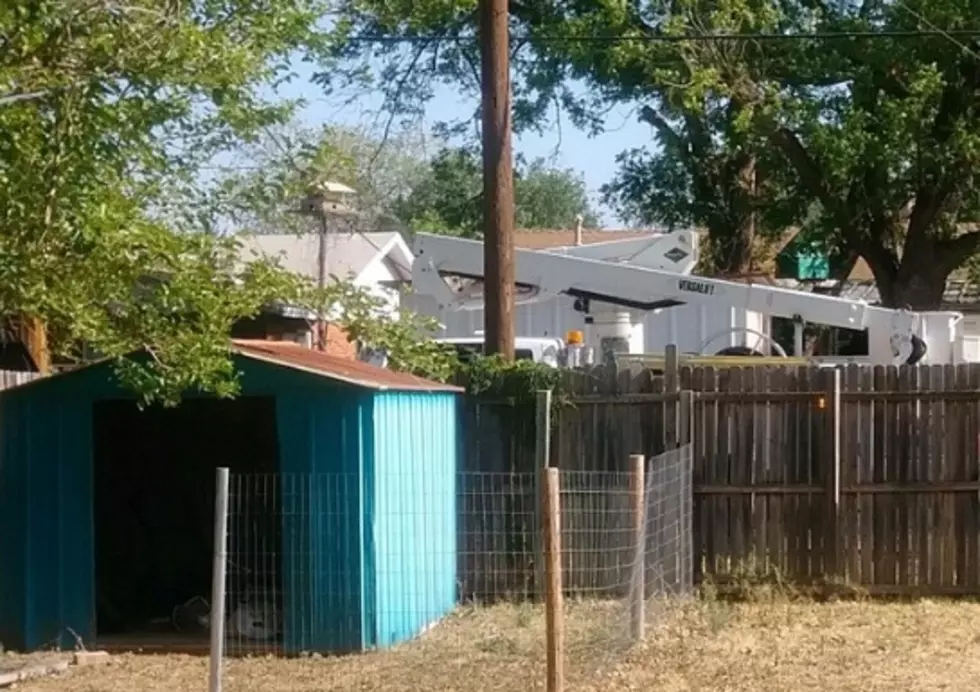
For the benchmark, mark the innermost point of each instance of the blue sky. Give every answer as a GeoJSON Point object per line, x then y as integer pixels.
{"type": "Point", "coordinates": [565, 146]}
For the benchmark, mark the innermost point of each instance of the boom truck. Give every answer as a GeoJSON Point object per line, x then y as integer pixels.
{"type": "Point", "coordinates": [615, 283]}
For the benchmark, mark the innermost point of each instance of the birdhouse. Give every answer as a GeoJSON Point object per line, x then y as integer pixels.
{"type": "Point", "coordinates": [328, 199]}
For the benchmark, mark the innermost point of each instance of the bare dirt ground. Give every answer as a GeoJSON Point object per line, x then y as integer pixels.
{"type": "Point", "coordinates": [762, 646]}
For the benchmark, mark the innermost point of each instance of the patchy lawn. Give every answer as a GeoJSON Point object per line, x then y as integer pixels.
{"type": "Point", "coordinates": [763, 646]}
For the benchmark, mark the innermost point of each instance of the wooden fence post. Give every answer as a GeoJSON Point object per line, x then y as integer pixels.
{"type": "Point", "coordinates": [554, 615]}
{"type": "Point", "coordinates": [638, 578]}
{"type": "Point", "coordinates": [542, 460]}
{"type": "Point", "coordinates": [832, 461]}
{"type": "Point", "coordinates": [687, 435]}
{"type": "Point", "coordinates": [685, 418]}
{"type": "Point", "coordinates": [671, 388]}
{"type": "Point", "coordinates": [671, 368]}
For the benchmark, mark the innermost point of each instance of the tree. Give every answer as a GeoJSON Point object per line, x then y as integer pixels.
{"type": "Point", "coordinates": [110, 111]}
{"type": "Point", "coordinates": [261, 192]}
{"type": "Point", "coordinates": [708, 173]}
{"type": "Point", "coordinates": [705, 175]}
{"type": "Point", "coordinates": [449, 196]}
{"type": "Point", "coordinates": [263, 186]}
{"type": "Point", "coordinates": [881, 134]}
{"type": "Point", "coordinates": [875, 137]}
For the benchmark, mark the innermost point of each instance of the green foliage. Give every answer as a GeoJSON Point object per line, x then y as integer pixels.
{"type": "Point", "coordinates": [261, 191]}
{"type": "Point", "coordinates": [881, 134]}
{"type": "Point", "coordinates": [448, 198]}
{"type": "Point", "coordinates": [405, 337]}
{"type": "Point", "coordinates": [511, 388]}
{"type": "Point", "coordinates": [701, 169]}
{"type": "Point", "coordinates": [110, 112]}
{"type": "Point", "coordinates": [870, 144]}
{"type": "Point", "coordinates": [516, 381]}
{"type": "Point", "coordinates": [397, 185]}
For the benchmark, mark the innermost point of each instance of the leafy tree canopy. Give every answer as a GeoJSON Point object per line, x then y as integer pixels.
{"type": "Point", "coordinates": [399, 184]}
{"type": "Point", "coordinates": [448, 198]}
{"type": "Point", "coordinates": [261, 189]}
{"type": "Point", "coordinates": [870, 143]}
{"type": "Point", "coordinates": [110, 113]}
{"type": "Point", "coordinates": [880, 133]}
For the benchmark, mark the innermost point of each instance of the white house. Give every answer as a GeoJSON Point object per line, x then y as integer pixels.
{"type": "Point", "coordinates": [376, 261]}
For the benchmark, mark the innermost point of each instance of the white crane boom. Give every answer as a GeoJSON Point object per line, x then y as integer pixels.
{"type": "Point", "coordinates": [584, 272]}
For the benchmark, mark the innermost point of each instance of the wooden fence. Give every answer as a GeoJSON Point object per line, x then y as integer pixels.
{"type": "Point", "coordinates": [858, 474]}
{"type": "Point", "coordinates": [12, 378]}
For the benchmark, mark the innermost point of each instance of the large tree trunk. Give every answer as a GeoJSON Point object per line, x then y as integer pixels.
{"type": "Point", "coordinates": [918, 280]}
{"type": "Point", "coordinates": [732, 232]}
{"type": "Point", "coordinates": [732, 244]}
{"type": "Point", "coordinates": [919, 289]}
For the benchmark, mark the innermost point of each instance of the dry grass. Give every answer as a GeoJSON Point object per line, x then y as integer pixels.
{"type": "Point", "coordinates": [774, 644]}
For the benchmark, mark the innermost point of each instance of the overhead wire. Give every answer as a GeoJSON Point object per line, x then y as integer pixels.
{"type": "Point", "coordinates": [949, 35]}
{"type": "Point", "coordinates": [934, 31]}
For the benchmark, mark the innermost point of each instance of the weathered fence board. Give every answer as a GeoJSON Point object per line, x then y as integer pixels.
{"type": "Point", "coordinates": [896, 511]}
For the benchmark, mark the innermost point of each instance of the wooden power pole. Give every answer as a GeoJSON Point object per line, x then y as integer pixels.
{"type": "Point", "coordinates": [498, 180]}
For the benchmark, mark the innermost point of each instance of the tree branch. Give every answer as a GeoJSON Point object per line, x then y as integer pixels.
{"type": "Point", "coordinates": [940, 182]}
{"type": "Point", "coordinates": [15, 98]}
{"type": "Point", "coordinates": [652, 118]}
{"type": "Point", "coordinates": [953, 252]}
{"type": "Point", "coordinates": [809, 170]}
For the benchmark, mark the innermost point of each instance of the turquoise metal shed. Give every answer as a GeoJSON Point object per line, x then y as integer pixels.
{"type": "Point", "coordinates": [369, 572]}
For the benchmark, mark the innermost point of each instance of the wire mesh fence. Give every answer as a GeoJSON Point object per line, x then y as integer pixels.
{"type": "Point", "coordinates": [441, 582]}
{"type": "Point", "coordinates": [627, 552]}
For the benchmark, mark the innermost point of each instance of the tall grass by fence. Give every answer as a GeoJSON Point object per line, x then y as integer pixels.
{"type": "Point", "coordinates": [869, 475]}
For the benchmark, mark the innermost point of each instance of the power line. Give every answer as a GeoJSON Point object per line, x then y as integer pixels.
{"type": "Point", "coordinates": [683, 38]}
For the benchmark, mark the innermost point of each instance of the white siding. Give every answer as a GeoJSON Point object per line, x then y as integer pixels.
{"type": "Point", "coordinates": [971, 338]}
{"type": "Point", "coordinates": [377, 271]}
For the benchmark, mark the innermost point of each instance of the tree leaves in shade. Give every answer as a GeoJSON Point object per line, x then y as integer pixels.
{"type": "Point", "coordinates": [110, 111]}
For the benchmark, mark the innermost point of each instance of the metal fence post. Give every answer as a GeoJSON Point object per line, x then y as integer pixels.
{"type": "Point", "coordinates": [218, 572]}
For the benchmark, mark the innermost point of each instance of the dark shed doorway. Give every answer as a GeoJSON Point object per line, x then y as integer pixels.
{"type": "Point", "coordinates": [154, 500]}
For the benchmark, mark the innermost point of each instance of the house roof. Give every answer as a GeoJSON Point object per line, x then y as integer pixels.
{"type": "Point", "coordinates": [347, 254]}
{"type": "Point", "coordinates": [289, 355]}
{"type": "Point", "coordinates": [546, 238]}
{"type": "Point", "coordinates": [960, 295]}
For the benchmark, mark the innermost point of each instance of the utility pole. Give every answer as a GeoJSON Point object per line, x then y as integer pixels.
{"type": "Point", "coordinates": [321, 280]}
{"type": "Point", "coordinates": [498, 180]}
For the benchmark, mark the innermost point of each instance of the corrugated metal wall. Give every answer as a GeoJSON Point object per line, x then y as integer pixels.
{"type": "Point", "coordinates": [46, 532]}
{"type": "Point", "coordinates": [322, 444]}
{"type": "Point", "coordinates": [368, 504]}
{"type": "Point", "coordinates": [413, 519]}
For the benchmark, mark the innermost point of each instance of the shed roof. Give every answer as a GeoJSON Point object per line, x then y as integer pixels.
{"type": "Point", "coordinates": [290, 355]}
{"type": "Point", "coordinates": [296, 357]}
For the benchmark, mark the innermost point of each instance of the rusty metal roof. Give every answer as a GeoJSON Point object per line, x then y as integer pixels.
{"type": "Point", "coordinates": [545, 238]}
{"type": "Point", "coordinates": [297, 357]}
